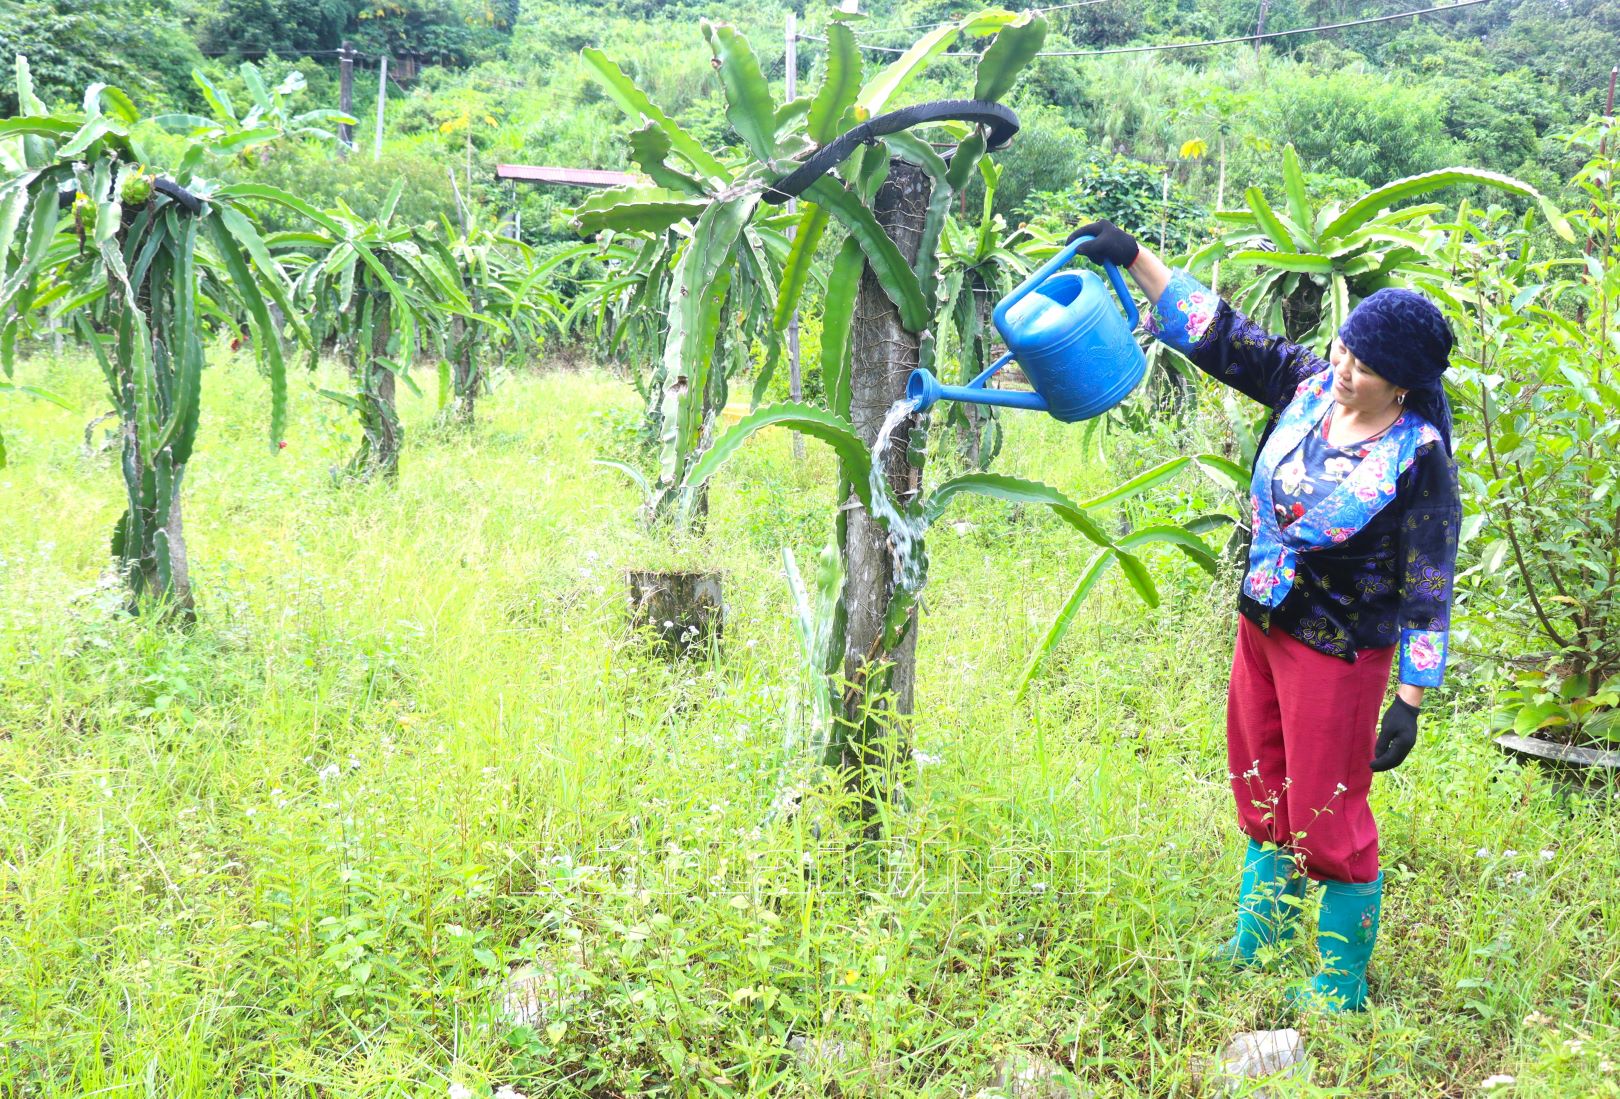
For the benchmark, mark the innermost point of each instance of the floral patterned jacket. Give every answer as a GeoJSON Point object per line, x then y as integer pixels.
{"type": "Point", "coordinates": [1372, 563]}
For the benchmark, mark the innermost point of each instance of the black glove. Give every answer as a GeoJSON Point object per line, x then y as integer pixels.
{"type": "Point", "coordinates": [1112, 243]}
{"type": "Point", "coordinates": [1397, 736]}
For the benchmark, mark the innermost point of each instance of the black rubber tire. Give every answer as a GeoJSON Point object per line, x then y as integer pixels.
{"type": "Point", "coordinates": [1000, 120]}
{"type": "Point", "coordinates": [185, 198]}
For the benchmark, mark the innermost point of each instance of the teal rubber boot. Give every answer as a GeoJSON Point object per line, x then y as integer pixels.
{"type": "Point", "coordinates": [1345, 938]}
{"type": "Point", "coordinates": [1269, 899]}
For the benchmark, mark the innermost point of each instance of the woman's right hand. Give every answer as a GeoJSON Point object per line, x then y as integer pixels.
{"type": "Point", "coordinates": [1109, 242]}
{"type": "Point", "coordinates": [1120, 248]}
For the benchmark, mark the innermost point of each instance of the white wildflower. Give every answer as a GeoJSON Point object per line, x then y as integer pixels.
{"type": "Point", "coordinates": [1501, 1079]}
{"type": "Point", "coordinates": [459, 1090]}
{"type": "Point", "coordinates": [329, 772]}
{"type": "Point", "coordinates": [1546, 854]}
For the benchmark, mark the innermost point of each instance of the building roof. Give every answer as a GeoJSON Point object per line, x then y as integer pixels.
{"type": "Point", "coordinates": [575, 177]}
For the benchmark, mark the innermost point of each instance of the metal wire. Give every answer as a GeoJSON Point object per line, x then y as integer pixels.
{"type": "Point", "coordinates": [948, 22]}
{"type": "Point", "coordinates": [1197, 45]}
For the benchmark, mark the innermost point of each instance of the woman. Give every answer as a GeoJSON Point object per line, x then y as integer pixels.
{"type": "Point", "coordinates": [1355, 518]}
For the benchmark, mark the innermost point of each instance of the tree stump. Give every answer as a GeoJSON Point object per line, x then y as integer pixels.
{"type": "Point", "coordinates": [684, 610]}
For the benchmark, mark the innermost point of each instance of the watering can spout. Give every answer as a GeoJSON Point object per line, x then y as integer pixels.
{"type": "Point", "coordinates": [923, 388]}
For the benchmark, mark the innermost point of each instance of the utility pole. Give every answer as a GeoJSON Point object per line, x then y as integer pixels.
{"type": "Point", "coordinates": [382, 98]}
{"type": "Point", "coordinates": [346, 96]}
{"type": "Point", "coordinates": [795, 388]}
{"type": "Point", "coordinates": [1260, 25]}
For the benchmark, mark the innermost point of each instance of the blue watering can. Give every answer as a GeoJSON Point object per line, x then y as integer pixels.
{"type": "Point", "coordinates": [1069, 340]}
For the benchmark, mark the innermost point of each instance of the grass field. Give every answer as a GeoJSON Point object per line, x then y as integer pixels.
{"type": "Point", "coordinates": [411, 747]}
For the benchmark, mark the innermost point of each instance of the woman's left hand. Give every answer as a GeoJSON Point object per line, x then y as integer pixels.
{"type": "Point", "coordinates": [1397, 736]}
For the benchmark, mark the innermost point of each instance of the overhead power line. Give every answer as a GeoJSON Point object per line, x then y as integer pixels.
{"type": "Point", "coordinates": [930, 26]}
{"type": "Point", "coordinates": [1200, 45]}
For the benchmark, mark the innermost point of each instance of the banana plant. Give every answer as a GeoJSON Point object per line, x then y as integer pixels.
{"type": "Point", "coordinates": [730, 256]}
{"type": "Point", "coordinates": [267, 119]}
{"type": "Point", "coordinates": [135, 254]}
{"type": "Point", "coordinates": [1313, 262]}
{"type": "Point", "coordinates": [383, 291]}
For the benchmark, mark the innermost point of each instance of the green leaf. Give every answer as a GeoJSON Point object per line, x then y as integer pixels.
{"type": "Point", "coordinates": [788, 112]}
{"type": "Point", "coordinates": [1538, 716]}
{"type": "Point", "coordinates": [649, 146]}
{"type": "Point", "coordinates": [837, 311]}
{"type": "Point", "coordinates": [893, 273]}
{"type": "Point", "coordinates": [1299, 207]}
{"type": "Point", "coordinates": [56, 129]}
{"type": "Point", "coordinates": [1140, 483]}
{"type": "Point", "coordinates": [854, 460]}
{"type": "Point", "coordinates": [1285, 261]}
{"type": "Point", "coordinates": [1268, 221]}
{"type": "Point", "coordinates": [271, 276]}
{"type": "Point", "coordinates": [967, 157]}
{"type": "Point", "coordinates": [1065, 617]}
{"type": "Point", "coordinates": [637, 209]}
{"type": "Point", "coordinates": [1015, 45]}
{"type": "Point", "coordinates": [90, 133]}
{"type": "Point", "coordinates": [30, 103]}
{"type": "Point", "coordinates": [919, 152]}
{"type": "Point", "coordinates": [42, 220]}
{"type": "Point", "coordinates": [1555, 218]}
{"type": "Point", "coordinates": [796, 271]}
{"type": "Point", "coordinates": [216, 97]}
{"type": "Point", "coordinates": [287, 199]}
{"type": "Point", "coordinates": [889, 80]}
{"type": "Point", "coordinates": [1016, 490]}
{"type": "Point", "coordinates": [840, 87]}
{"type": "Point", "coordinates": [255, 85]}
{"type": "Point", "coordinates": [749, 107]}
{"type": "Point", "coordinates": [634, 102]}
{"type": "Point", "coordinates": [1401, 190]}
{"type": "Point", "coordinates": [1180, 537]}
{"type": "Point", "coordinates": [1139, 577]}
{"type": "Point", "coordinates": [1223, 471]}
{"type": "Point", "coordinates": [42, 394]}
{"type": "Point", "coordinates": [265, 342]}
{"type": "Point", "coordinates": [1338, 301]}
{"type": "Point", "coordinates": [690, 344]}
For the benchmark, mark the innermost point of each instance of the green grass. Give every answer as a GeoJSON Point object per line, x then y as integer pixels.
{"type": "Point", "coordinates": [412, 744]}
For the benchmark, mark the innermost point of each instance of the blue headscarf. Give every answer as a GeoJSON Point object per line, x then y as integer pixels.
{"type": "Point", "coordinates": [1403, 338]}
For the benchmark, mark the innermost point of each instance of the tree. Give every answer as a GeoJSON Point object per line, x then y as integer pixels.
{"type": "Point", "coordinates": [136, 266]}
{"type": "Point", "coordinates": [381, 288]}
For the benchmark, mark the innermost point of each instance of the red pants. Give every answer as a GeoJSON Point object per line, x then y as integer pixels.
{"type": "Point", "coordinates": [1300, 729]}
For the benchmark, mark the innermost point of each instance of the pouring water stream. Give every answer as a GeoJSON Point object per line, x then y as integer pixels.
{"type": "Point", "coordinates": [905, 531]}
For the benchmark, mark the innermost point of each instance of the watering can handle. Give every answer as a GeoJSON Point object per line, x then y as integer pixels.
{"type": "Point", "coordinates": [1056, 263]}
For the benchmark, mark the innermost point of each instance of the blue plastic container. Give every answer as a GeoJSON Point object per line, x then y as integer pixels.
{"type": "Point", "coordinates": [1069, 339]}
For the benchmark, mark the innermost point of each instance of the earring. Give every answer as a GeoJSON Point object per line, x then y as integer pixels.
{"type": "Point", "coordinates": [1401, 399]}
